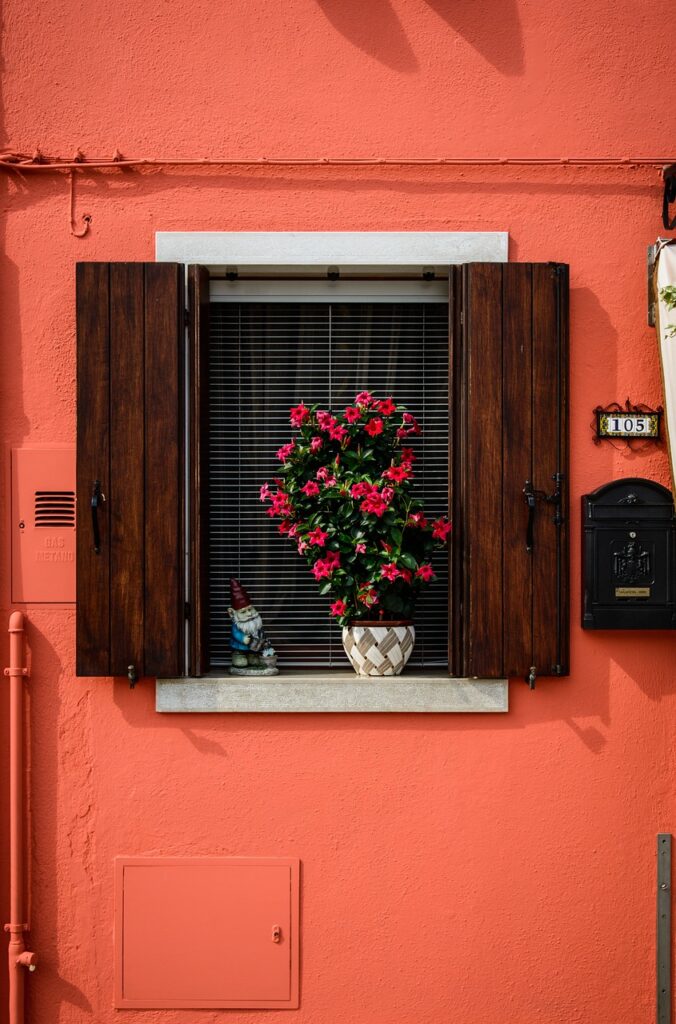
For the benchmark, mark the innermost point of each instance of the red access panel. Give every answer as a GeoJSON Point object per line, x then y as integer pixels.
{"type": "Point", "coordinates": [43, 525]}
{"type": "Point", "coordinates": [206, 932]}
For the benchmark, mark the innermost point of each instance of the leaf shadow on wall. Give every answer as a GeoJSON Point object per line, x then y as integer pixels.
{"type": "Point", "coordinates": [492, 28]}
{"type": "Point", "coordinates": [373, 28]}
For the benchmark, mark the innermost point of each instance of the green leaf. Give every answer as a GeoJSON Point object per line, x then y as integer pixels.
{"type": "Point", "coordinates": [408, 560]}
{"type": "Point", "coordinates": [325, 587]}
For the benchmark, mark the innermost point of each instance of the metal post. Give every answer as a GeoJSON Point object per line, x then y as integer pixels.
{"type": "Point", "coordinates": [664, 928]}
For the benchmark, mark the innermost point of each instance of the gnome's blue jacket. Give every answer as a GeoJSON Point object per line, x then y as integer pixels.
{"type": "Point", "coordinates": [237, 639]}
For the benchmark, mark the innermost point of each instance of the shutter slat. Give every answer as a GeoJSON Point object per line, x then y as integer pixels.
{"type": "Point", "coordinates": [126, 467]}
{"type": "Point", "coordinates": [550, 564]}
{"type": "Point", "coordinates": [518, 427]}
{"type": "Point", "coordinates": [201, 371]}
{"type": "Point", "coordinates": [483, 481]}
{"type": "Point", "coordinates": [93, 461]}
{"type": "Point", "coordinates": [164, 372]}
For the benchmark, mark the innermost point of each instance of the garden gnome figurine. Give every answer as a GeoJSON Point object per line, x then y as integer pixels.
{"type": "Point", "coordinates": [252, 653]}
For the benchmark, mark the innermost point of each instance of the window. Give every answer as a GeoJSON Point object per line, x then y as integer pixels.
{"type": "Point", "coordinates": [147, 588]}
{"type": "Point", "coordinates": [267, 356]}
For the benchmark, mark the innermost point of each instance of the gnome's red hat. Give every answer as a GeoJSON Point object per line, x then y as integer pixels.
{"type": "Point", "coordinates": [238, 596]}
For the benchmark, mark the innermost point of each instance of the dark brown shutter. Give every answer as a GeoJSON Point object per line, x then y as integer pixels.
{"type": "Point", "coordinates": [198, 302]}
{"type": "Point", "coordinates": [509, 326]}
{"type": "Point", "coordinates": [130, 398]}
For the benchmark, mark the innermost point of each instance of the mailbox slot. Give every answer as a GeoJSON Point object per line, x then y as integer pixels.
{"type": "Point", "coordinates": [628, 556]}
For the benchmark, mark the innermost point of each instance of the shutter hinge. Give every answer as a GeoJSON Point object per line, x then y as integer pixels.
{"type": "Point", "coordinates": [186, 610]}
{"type": "Point", "coordinates": [462, 316]}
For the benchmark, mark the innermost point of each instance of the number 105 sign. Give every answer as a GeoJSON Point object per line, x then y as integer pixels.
{"type": "Point", "coordinates": [628, 423]}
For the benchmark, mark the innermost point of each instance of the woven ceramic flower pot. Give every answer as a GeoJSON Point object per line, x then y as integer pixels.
{"type": "Point", "coordinates": [379, 648]}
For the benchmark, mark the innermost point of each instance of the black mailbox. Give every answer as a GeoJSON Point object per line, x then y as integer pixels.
{"type": "Point", "coordinates": [628, 564]}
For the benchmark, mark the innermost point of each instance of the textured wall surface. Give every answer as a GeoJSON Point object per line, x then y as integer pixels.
{"type": "Point", "coordinates": [458, 868]}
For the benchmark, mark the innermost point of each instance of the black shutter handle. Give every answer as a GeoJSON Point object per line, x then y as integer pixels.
{"type": "Point", "coordinates": [532, 496]}
{"type": "Point", "coordinates": [97, 497]}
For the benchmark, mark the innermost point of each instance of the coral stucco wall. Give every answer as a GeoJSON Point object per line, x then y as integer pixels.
{"type": "Point", "coordinates": [473, 868]}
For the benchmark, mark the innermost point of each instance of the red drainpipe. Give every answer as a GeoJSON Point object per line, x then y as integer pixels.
{"type": "Point", "coordinates": [18, 955]}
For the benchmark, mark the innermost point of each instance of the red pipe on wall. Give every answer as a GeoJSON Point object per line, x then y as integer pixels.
{"type": "Point", "coordinates": [18, 956]}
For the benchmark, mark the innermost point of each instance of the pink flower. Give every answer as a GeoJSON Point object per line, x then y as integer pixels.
{"type": "Point", "coordinates": [405, 575]}
{"type": "Point", "coordinates": [281, 506]}
{"type": "Point", "coordinates": [293, 531]}
{"type": "Point", "coordinates": [315, 444]}
{"type": "Point", "coordinates": [284, 527]}
{"type": "Point", "coordinates": [441, 529]}
{"type": "Point", "coordinates": [407, 455]}
{"type": "Point", "coordinates": [325, 420]}
{"type": "Point", "coordinates": [425, 572]}
{"type": "Point", "coordinates": [417, 519]}
{"type": "Point", "coordinates": [411, 423]}
{"type": "Point", "coordinates": [310, 488]}
{"type": "Point", "coordinates": [266, 493]}
{"type": "Point", "coordinates": [387, 407]}
{"type": "Point", "coordinates": [320, 569]}
{"type": "Point", "coordinates": [375, 504]}
{"type": "Point", "coordinates": [385, 546]}
{"type": "Point", "coordinates": [323, 472]}
{"type": "Point", "coordinates": [337, 432]}
{"type": "Point", "coordinates": [338, 607]}
{"type": "Point", "coordinates": [374, 427]}
{"type": "Point", "coordinates": [352, 414]}
{"type": "Point", "coordinates": [318, 537]}
{"type": "Point", "coordinates": [360, 548]}
{"type": "Point", "coordinates": [389, 571]}
{"type": "Point", "coordinates": [361, 488]}
{"type": "Point", "coordinates": [324, 567]}
{"type": "Point", "coordinates": [363, 398]}
{"type": "Point", "coordinates": [285, 451]}
{"type": "Point", "coordinates": [302, 547]}
{"type": "Point", "coordinates": [299, 414]}
{"type": "Point", "coordinates": [397, 473]}
{"type": "Point", "coordinates": [387, 494]}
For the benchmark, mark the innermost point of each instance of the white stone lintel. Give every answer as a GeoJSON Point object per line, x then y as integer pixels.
{"type": "Point", "coordinates": [338, 692]}
{"type": "Point", "coordinates": [331, 248]}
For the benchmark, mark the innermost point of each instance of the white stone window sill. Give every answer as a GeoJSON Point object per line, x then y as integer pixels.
{"type": "Point", "coordinates": [331, 692]}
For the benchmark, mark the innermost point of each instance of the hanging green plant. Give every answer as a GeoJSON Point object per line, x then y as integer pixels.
{"type": "Point", "coordinates": [668, 297]}
{"type": "Point", "coordinates": [344, 498]}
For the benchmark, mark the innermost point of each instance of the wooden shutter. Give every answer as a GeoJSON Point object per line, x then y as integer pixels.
{"type": "Point", "coordinates": [130, 398]}
{"type": "Point", "coordinates": [509, 326]}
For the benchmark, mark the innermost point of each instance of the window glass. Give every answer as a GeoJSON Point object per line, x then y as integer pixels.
{"type": "Point", "coordinates": [266, 357]}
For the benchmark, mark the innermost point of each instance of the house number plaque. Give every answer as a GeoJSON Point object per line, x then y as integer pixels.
{"type": "Point", "coordinates": [629, 423]}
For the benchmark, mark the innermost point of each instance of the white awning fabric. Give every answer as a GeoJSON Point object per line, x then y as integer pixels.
{"type": "Point", "coordinates": [665, 274]}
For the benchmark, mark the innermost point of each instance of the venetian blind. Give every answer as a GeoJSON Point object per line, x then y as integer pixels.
{"type": "Point", "coordinates": [266, 357]}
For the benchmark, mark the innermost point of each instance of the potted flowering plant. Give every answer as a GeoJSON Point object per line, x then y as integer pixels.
{"type": "Point", "coordinates": [344, 497]}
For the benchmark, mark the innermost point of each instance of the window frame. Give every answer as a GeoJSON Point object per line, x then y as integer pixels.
{"type": "Point", "coordinates": [278, 256]}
